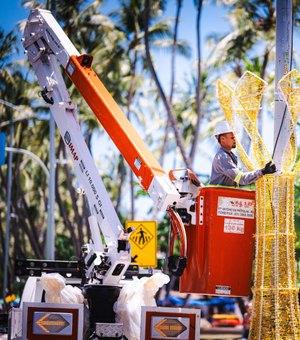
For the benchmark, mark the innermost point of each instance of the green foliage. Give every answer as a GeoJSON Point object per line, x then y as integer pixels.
{"type": "Point", "coordinates": [163, 234]}
{"type": "Point", "coordinates": [252, 36]}
{"type": "Point", "coordinates": [8, 47]}
{"type": "Point", "coordinates": [64, 250]}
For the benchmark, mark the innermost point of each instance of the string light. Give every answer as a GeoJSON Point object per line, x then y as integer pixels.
{"type": "Point", "coordinates": [275, 312]}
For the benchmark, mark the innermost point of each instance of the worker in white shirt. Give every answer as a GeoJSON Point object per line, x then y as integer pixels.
{"type": "Point", "coordinates": [224, 167]}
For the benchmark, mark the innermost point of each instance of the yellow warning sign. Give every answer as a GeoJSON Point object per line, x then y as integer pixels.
{"type": "Point", "coordinates": [143, 242]}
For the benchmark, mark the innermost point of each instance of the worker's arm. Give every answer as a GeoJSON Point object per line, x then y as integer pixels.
{"type": "Point", "coordinates": [246, 178]}
{"type": "Point", "coordinates": [225, 172]}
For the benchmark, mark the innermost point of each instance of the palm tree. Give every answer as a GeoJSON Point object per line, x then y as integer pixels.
{"type": "Point", "coordinates": [250, 45]}
{"type": "Point", "coordinates": [131, 52]}
{"type": "Point", "coordinates": [252, 23]}
{"type": "Point", "coordinates": [171, 115]}
{"type": "Point", "coordinates": [22, 223]}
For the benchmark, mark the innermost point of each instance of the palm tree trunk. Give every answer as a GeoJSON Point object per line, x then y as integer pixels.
{"type": "Point", "coordinates": [129, 102]}
{"type": "Point", "coordinates": [121, 177]}
{"type": "Point", "coordinates": [179, 6]}
{"type": "Point", "coordinates": [198, 87]}
{"type": "Point", "coordinates": [161, 93]}
{"type": "Point", "coordinates": [26, 219]}
{"type": "Point", "coordinates": [166, 137]}
{"type": "Point", "coordinates": [86, 214]}
{"type": "Point", "coordinates": [67, 222]}
{"type": "Point", "coordinates": [21, 209]}
{"type": "Point", "coordinates": [62, 210]}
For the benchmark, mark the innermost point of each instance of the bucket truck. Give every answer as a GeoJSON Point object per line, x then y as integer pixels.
{"type": "Point", "coordinates": [49, 51]}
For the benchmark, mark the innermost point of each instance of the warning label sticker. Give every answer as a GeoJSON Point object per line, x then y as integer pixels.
{"type": "Point", "coordinates": [235, 207]}
{"type": "Point", "coordinates": [234, 226]}
{"type": "Point", "coordinates": [223, 290]}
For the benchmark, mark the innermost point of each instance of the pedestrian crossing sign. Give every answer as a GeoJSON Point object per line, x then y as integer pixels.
{"type": "Point", "coordinates": [143, 242]}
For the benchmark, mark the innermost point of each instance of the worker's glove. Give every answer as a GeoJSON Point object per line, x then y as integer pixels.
{"type": "Point", "coordinates": [270, 168]}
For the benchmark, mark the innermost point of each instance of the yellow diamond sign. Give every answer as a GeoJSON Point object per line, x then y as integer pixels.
{"type": "Point", "coordinates": [143, 242]}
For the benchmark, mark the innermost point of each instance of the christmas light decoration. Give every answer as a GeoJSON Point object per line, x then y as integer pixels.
{"type": "Point", "coordinates": [275, 312]}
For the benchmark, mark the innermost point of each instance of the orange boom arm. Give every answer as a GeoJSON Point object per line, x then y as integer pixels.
{"type": "Point", "coordinates": [116, 124]}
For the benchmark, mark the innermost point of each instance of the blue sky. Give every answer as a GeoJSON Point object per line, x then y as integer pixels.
{"type": "Point", "coordinates": [212, 20]}
{"type": "Point", "coordinates": [11, 13]}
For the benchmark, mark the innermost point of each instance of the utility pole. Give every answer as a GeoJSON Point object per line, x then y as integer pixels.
{"type": "Point", "coordinates": [8, 208]}
{"type": "Point", "coordinates": [283, 64]}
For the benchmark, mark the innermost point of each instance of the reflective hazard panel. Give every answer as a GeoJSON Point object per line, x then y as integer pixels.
{"type": "Point", "coordinates": [170, 323]}
{"type": "Point", "coordinates": [49, 321]}
{"type": "Point", "coordinates": [52, 323]}
{"type": "Point", "coordinates": [169, 326]}
{"type": "Point", "coordinates": [143, 242]}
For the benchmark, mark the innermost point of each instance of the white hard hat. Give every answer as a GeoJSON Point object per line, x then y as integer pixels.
{"type": "Point", "coordinates": [222, 127]}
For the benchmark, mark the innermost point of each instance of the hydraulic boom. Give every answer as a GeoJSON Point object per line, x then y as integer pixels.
{"type": "Point", "coordinates": [48, 47]}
